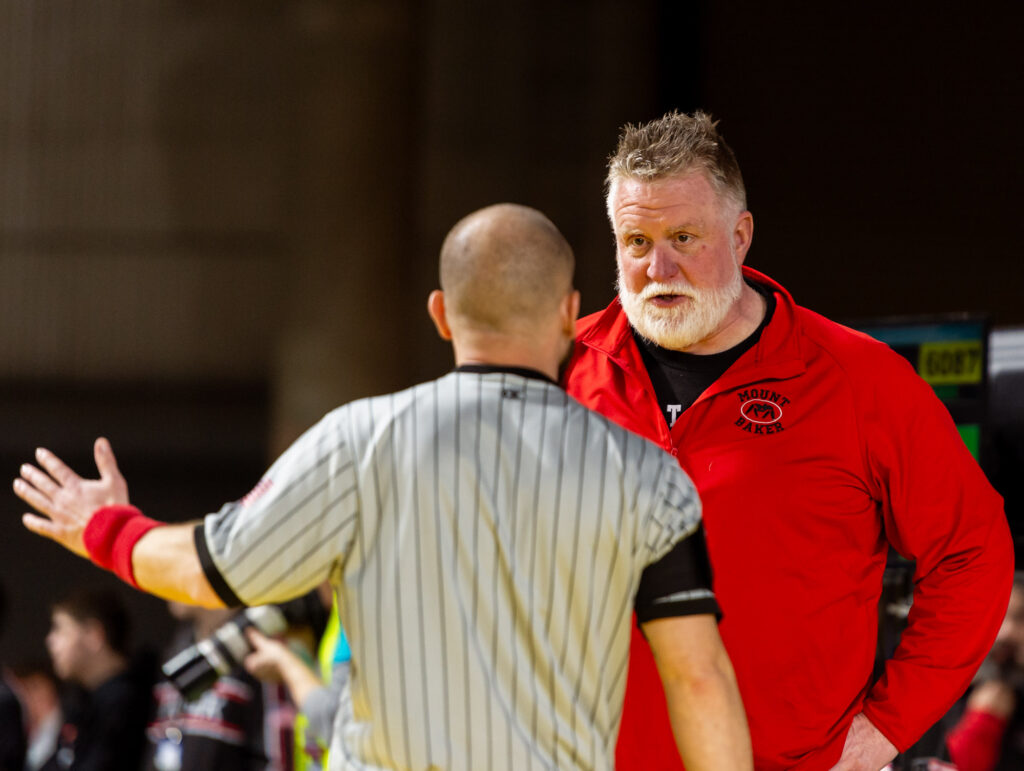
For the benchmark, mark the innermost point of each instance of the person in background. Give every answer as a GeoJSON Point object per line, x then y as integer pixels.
{"type": "Point", "coordinates": [38, 691]}
{"type": "Point", "coordinates": [238, 724]}
{"type": "Point", "coordinates": [12, 724]}
{"type": "Point", "coordinates": [990, 734]}
{"type": "Point", "coordinates": [319, 695]}
{"type": "Point", "coordinates": [105, 722]}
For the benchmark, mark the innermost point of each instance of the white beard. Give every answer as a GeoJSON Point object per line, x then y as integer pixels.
{"type": "Point", "coordinates": [682, 327]}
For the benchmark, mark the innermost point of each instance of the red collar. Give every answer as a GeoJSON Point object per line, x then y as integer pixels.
{"type": "Point", "coordinates": [776, 356]}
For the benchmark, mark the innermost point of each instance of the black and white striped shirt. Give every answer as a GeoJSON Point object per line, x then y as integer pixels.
{"type": "Point", "coordinates": [486, 535]}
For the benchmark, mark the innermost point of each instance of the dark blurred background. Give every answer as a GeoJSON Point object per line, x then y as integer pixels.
{"type": "Point", "coordinates": [220, 219]}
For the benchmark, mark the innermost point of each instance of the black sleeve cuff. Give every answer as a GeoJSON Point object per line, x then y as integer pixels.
{"type": "Point", "coordinates": [679, 584]}
{"type": "Point", "coordinates": [217, 582]}
{"type": "Point", "coordinates": [680, 608]}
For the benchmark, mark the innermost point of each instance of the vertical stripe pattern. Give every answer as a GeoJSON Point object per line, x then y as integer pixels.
{"type": "Point", "coordinates": [486, 534]}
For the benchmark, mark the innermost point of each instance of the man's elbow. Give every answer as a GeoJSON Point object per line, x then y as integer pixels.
{"type": "Point", "coordinates": [699, 678]}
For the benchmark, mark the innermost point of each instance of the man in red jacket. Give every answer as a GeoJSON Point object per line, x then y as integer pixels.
{"type": "Point", "coordinates": [813, 447]}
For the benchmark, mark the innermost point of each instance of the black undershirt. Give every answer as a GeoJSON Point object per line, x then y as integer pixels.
{"type": "Point", "coordinates": [679, 378]}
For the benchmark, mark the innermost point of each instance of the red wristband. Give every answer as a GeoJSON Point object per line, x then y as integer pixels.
{"type": "Point", "coordinates": [111, 535]}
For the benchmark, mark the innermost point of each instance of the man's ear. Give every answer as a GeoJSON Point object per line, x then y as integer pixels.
{"type": "Point", "coordinates": [570, 311]}
{"type": "Point", "coordinates": [435, 307]}
{"type": "Point", "coordinates": [742, 235]}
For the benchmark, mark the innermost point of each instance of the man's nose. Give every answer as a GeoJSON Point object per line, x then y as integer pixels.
{"type": "Point", "coordinates": [662, 266]}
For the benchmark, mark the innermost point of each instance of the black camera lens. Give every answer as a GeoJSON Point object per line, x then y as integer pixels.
{"type": "Point", "coordinates": [197, 667]}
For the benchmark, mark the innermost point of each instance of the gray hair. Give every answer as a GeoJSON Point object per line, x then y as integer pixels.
{"type": "Point", "coordinates": [674, 145]}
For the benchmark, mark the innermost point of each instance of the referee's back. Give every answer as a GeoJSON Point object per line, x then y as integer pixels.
{"type": "Point", "coordinates": [485, 532]}
{"type": "Point", "coordinates": [489, 584]}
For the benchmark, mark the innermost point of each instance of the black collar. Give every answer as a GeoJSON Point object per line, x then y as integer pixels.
{"type": "Point", "coordinates": [486, 368]}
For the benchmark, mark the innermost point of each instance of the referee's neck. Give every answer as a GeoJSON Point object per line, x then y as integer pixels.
{"type": "Point", "coordinates": [509, 353]}
{"type": "Point", "coordinates": [528, 372]}
{"type": "Point", "coordinates": [491, 364]}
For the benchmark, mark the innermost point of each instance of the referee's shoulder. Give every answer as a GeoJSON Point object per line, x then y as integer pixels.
{"type": "Point", "coordinates": [387, 406]}
{"type": "Point", "coordinates": [631, 444]}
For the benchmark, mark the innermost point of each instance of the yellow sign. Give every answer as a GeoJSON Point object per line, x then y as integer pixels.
{"type": "Point", "coordinates": [951, 363]}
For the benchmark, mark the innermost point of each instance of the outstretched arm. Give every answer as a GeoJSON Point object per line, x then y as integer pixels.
{"type": "Point", "coordinates": [704, 704]}
{"type": "Point", "coordinates": [159, 559]}
{"type": "Point", "coordinates": [166, 564]}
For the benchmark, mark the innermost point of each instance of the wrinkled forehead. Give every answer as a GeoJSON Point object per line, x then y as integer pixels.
{"type": "Point", "coordinates": [724, 196]}
{"type": "Point", "coordinates": [668, 201]}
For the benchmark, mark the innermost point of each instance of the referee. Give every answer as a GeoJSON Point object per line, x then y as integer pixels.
{"type": "Point", "coordinates": [487, 536]}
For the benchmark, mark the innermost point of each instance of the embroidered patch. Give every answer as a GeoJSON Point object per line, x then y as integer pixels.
{"type": "Point", "coordinates": [761, 411]}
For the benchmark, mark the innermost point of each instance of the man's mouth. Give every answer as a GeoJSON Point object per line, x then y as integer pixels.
{"type": "Point", "coordinates": [666, 300]}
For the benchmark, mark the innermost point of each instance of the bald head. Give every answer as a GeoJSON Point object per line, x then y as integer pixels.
{"type": "Point", "coordinates": [504, 270]}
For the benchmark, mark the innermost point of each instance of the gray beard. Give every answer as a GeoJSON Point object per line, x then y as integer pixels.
{"type": "Point", "coordinates": [679, 329]}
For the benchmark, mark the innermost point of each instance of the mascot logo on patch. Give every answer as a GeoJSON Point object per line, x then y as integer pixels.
{"type": "Point", "coordinates": [760, 411]}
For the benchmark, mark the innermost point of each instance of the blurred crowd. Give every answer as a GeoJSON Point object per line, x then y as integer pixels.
{"type": "Point", "coordinates": [987, 727]}
{"type": "Point", "coordinates": [232, 690]}
{"type": "Point", "coordinates": [207, 702]}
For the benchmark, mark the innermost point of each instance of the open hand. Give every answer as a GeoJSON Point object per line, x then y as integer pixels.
{"type": "Point", "coordinates": [65, 499]}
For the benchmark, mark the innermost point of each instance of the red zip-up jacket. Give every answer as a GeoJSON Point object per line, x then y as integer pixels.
{"type": "Point", "coordinates": [812, 453]}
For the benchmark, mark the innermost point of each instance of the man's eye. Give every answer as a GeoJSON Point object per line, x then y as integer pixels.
{"type": "Point", "coordinates": [637, 241]}
{"type": "Point", "coordinates": [683, 238]}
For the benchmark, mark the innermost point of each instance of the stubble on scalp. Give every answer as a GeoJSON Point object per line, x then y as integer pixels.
{"type": "Point", "coordinates": [504, 268]}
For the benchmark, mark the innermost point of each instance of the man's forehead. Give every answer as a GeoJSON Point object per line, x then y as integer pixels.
{"type": "Point", "coordinates": [668, 196]}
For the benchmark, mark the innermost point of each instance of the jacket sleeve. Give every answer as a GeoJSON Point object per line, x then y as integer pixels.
{"type": "Point", "coordinates": [940, 511]}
